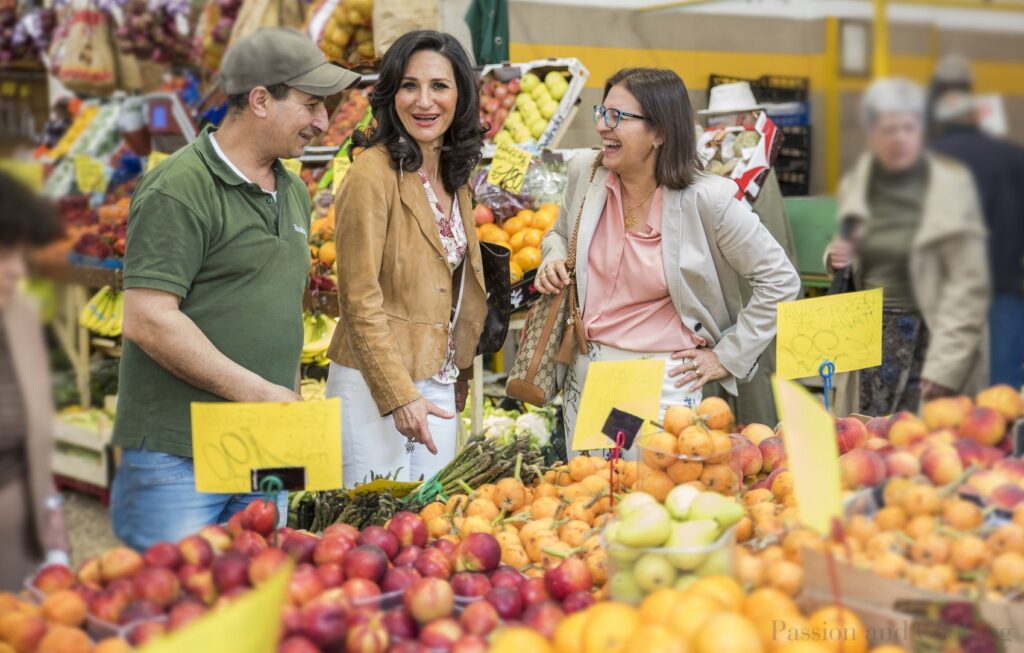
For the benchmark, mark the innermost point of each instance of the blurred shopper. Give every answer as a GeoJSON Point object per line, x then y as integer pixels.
{"type": "Point", "coordinates": [998, 169]}
{"type": "Point", "coordinates": [410, 276]}
{"type": "Point", "coordinates": [662, 249]}
{"type": "Point", "coordinates": [920, 236]}
{"type": "Point", "coordinates": [734, 105]}
{"type": "Point", "coordinates": [33, 518]}
{"type": "Point", "coordinates": [214, 271]}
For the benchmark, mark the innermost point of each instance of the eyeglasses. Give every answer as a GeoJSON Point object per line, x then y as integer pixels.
{"type": "Point", "coordinates": [612, 117]}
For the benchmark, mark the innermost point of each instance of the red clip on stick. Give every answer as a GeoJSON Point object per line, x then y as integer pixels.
{"type": "Point", "coordinates": [620, 441]}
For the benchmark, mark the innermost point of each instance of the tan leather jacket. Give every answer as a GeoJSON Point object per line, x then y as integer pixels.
{"type": "Point", "coordinates": [395, 291]}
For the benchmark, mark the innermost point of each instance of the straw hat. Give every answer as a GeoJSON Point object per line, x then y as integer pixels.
{"type": "Point", "coordinates": [731, 98]}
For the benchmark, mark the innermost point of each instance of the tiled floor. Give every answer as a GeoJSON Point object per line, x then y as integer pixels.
{"type": "Point", "coordinates": [88, 525]}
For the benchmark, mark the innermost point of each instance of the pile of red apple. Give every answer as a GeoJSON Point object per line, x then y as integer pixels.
{"type": "Point", "coordinates": [496, 100]}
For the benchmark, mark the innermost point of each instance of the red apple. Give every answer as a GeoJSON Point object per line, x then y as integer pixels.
{"type": "Point", "coordinates": [408, 646]}
{"type": "Point", "coordinates": [445, 546]}
{"type": "Point", "coordinates": [324, 623]}
{"type": "Point", "coordinates": [366, 561]}
{"type": "Point", "coordinates": [469, 644]}
{"type": "Point", "coordinates": [145, 633]}
{"type": "Point", "coordinates": [532, 590]}
{"type": "Point", "coordinates": [89, 573]}
{"type": "Point", "coordinates": [572, 575]}
{"type": "Point", "coordinates": [747, 456]}
{"type": "Point", "coordinates": [347, 531]}
{"type": "Point", "coordinates": [1006, 497]}
{"type": "Point", "coordinates": [902, 463]}
{"type": "Point", "coordinates": [505, 576]}
{"type": "Point", "coordinates": [300, 545]}
{"type": "Point", "coordinates": [973, 453]}
{"type": "Point", "coordinates": [297, 644]}
{"type": "Point", "coordinates": [305, 585]}
{"type": "Point", "coordinates": [157, 584]}
{"type": "Point", "coordinates": [184, 613]}
{"type": "Point", "coordinates": [332, 549]}
{"type": "Point", "coordinates": [331, 574]}
{"type": "Point", "coordinates": [941, 464]}
{"type": "Point", "coordinates": [773, 454]}
{"type": "Point", "coordinates": [265, 564]}
{"type": "Point", "coordinates": [428, 599]}
{"type": "Point", "coordinates": [851, 434]}
{"type": "Point", "coordinates": [382, 538]}
{"type": "Point", "coordinates": [478, 552]}
{"type": "Point", "coordinates": [878, 427]}
{"type": "Point", "coordinates": [407, 555]}
{"type": "Point", "coordinates": [861, 468]}
{"type": "Point", "coordinates": [506, 601]}
{"type": "Point", "coordinates": [249, 543]}
{"type": "Point", "coordinates": [441, 634]}
{"type": "Point", "coordinates": [217, 536]}
{"type": "Point", "coordinates": [52, 578]}
{"type": "Point", "coordinates": [1013, 468]}
{"type": "Point", "coordinates": [409, 528]}
{"type": "Point", "coordinates": [235, 525]}
{"type": "Point", "coordinates": [370, 637]}
{"type": "Point", "coordinates": [434, 563]}
{"type": "Point", "coordinates": [360, 615]}
{"type": "Point", "coordinates": [905, 429]}
{"type": "Point", "coordinates": [482, 214]}
{"type": "Point", "coordinates": [398, 578]}
{"type": "Point", "coordinates": [119, 562]}
{"type": "Point", "coordinates": [469, 584]}
{"type": "Point", "coordinates": [195, 551]}
{"type": "Point", "coordinates": [399, 623]}
{"type": "Point", "coordinates": [544, 617]}
{"type": "Point", "coordinates": [107, 606]}
{"type": "Point", "coordinates": [230, 570]}
{"type": "Point", "coordinates": [578, 601]}
{"type": "Point", "coordinates": [260, 516]}
{"type": "Point", "coordinates": [361, 591]}
{"type": "Point", "coordinates": [140, 610]}
{"type": "Point", "coordinates": [198, 583]}
{"type": "Point", "coordinates": [479, 618]}
{"type": "Point", "coordinates": [291, 620]}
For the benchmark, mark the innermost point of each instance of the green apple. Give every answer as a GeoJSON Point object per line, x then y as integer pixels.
{"type": "Point", "coordinates": [504, 137]}
{"type": "Point", "coordinates": [712, 505]}
{"type": "Point", "coordinates": [696, 535]}
{"type": "Point", "coordinates": [529, 82]}
{"type": "Point", "coordinates": [648, 526]}
{"type": "Point", "coordinates": [718, 563]}
{"type": "Point", "coordinates": [632, 501]}
{"type": "Point", "coordinates": [622, 587]}
{"type": "Point", "coordinates": [523, 99]}
{"type": "Point", "coordinates": [679, 499]}
{"type": "Point", "coordinates": [620, 553]}
{"type": "Point", "coordinates": [514, 119]}
{"type": "Point", "coordinates": [684, 581]}
{"type": "Point", "coordinates": [548, 108]}
{"type": "Point", "coordinates": [521, 134]}
{"type": "Point", "coordinates": [538, 126]}
{"type": "Point", "coordinates": [540, 93]}
{"type": "Point", "coordinates": [553, 78]}
{"type": "Point", "coordinates": [653, 572]}
{"type": "Point", "coordinates": [559, 91]}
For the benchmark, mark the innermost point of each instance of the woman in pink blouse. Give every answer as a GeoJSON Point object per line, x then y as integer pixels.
{"type": "Point", "coordinates": [662, 248]}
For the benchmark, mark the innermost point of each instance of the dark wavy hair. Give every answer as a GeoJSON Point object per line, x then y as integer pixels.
{"type": "Point", "coordinates": [667, 110]}
{"type": "Point", "coordinates": [27, 219]}
{"type": "Point", "coordinates": [464, 140]}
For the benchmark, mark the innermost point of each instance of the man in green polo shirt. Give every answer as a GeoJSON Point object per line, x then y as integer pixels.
{"type": "Point", "coordinates": [215, 267]}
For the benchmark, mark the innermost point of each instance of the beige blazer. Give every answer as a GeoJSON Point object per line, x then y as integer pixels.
{"type": "Point", "coordinates": [709, 242]}
{"type": "Point", "coordinates": [948, 274]}
{"type": "Point", "coordinates": [31, 368]}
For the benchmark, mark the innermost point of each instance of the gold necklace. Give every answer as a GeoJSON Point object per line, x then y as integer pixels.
{"type": "Point", "coordinates": [630, 218]}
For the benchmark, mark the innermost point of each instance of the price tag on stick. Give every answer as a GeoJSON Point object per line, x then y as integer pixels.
{"type": "Point", "coordinates": [339, 168]}
{"type": "Point", "coordinates": [845, 329]}
{"type": "Point", "coordinates": [235, 445]}
{"type": "Point", "coordinates": [89, 175]}
{"type": "Point", "coordinates": [294, 165]}
{"type": "Point", "coordinates": [633, 387]}
{"type": "Point", "coordinates": [620, 422]}
{"type": "Point", "coordinates": [508, 167]}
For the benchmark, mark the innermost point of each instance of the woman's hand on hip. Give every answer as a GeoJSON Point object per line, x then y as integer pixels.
{"type": "Point", "coordinates": [699, 366]}
{"type": "Point", "coordinates": [839, 254]}
{"type": "Point", "coordinates": [551, 277]}
{"type": "Point", "coordinates": [411, 421]}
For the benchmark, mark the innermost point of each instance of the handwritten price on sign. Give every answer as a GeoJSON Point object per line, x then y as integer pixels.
{"type": "Point", "coordinates": [508, 168]}
{"type": "Point", "coordinates": [845, 329]}
{"type": "Point", "coordinates": [229, 440]}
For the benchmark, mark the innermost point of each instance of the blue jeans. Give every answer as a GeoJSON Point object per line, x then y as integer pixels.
{"type": "Point", "coordinates": [1006, 326]}
{"type": "Point", "coordinates": [154, 499]}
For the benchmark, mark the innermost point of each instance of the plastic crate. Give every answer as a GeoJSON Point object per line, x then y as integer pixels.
{"type": "Point", "coordinates": [796, 137]}
{"type": "Point", "coordinates": [769, 89]}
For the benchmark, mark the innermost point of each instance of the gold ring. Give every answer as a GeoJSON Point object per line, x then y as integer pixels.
{"type": "Point", "coordinates": [693, 364]}
{"type": "Point", "coordinates": [698, 372]}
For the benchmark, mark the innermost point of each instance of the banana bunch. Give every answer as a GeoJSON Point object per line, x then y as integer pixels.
{"type": "Point", "coordinates": [103, 313]}
{"type": "Point", "coordinates": [313, 389]}
{"type": "Point", "coordinates": [317, 333]}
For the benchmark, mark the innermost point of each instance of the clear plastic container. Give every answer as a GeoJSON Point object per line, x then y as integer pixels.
{"type": "Point", "coordinates": [384, 601]}
{"type": "Point", "coordinates": [636, 572]}
{"type": "Point", "coordinates": [665, 461]}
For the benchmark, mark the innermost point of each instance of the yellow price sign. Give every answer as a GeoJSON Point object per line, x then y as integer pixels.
{"type": "Point", "coordinates": [631, 386]}
{"type": "Point", "coordinates": [9, 88]}
{"type": "Point", "coordinates": [508, 167]}
{"type": "Point", "coordinates": [29, 173]}
{"type": "Point", "coordinates": [231, 441]}
{"type": "Point", "coordinates": [809, 434]}
{"type": "Point", "coordinates": [845, 329]}
{"type": "Point", "coordinates": [89, 175]}
{"type": "Point", "coordinates": [293, 165]}
{"type": "Point", "coordinates": [155, 158]}
{"type": "Point", "coordinates": [250, 624]}
{"type": "Point", "coordinates": [339, 168]}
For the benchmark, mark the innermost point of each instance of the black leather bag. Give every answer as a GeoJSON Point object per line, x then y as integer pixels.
{"type": "Point", "coordinates": [499, 297]}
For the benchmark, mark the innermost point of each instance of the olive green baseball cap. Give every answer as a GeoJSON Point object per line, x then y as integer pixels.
{"type": "Point", "coordinates": [281, 55]}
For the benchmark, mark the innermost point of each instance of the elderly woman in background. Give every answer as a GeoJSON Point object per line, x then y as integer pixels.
{"type": "Point", "coordinates": [33, 519]}
{"type": "Point", "coordinates": [662, 249]}
{"type": "Point", "coordinates": [918, 234]}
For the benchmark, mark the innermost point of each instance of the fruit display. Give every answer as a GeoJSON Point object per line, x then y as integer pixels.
{"type": "Point", "coordinates": [520, 233]}
{"type": "Point", "coordinates": [27, 36]}
{"type": "Point", "coordinates": [317, 331]}
{"type": "Point", "coordinates": [654, 545]}
{"type": "Point", "coordinates": [346, 117]}
{"type": "Point", "coordinates": [85, 116]}
{"type": "Point", "coordinates": [103, 313]}
{"type": "Point", "coordinates": [528, 104]}
{"type": "Point", "coordinates": [214, 30]}
{"type": "Point", "coordinates": [53, 625]}
{"type": "Point", "coordinates": [344, 30]}
{"type": "Point", "coordinates": [154, 31]}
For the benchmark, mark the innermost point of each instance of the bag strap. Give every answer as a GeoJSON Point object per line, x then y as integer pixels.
{"type": "Point", "coordinates": [570, 263]}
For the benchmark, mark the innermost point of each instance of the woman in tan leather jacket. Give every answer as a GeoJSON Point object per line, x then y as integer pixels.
{"type": "Point", "coordinates": [410, 277]}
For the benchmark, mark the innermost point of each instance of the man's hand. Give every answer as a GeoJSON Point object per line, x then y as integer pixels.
{"type": "Point", "coordinates": [276, 393]}
{"type": "Point", "coordinates": [839, 254]}
{"type": "Point", "coordinates": [411, 421]}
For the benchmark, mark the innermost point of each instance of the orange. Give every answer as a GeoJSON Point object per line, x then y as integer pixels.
{"type": "Point", "coordinates": [803, 646]}
{"type": "Point", "coordinates": [327, 253]}
{"type": "Point", "coordinates": [554, 208]}
{"type": "Point", "coordinates": [569, 634]}
{"type": "Point", "coordinates": [609, 626]}
{"type": "Point", "coordinates": [690, 613]}
{"type": "Point", "coordinates": [888, 648]}
{"type": "Point", "coordinates": [528, 258]}
{"type": "Point", "coordinates": [652, 638]}
{"type": "Point", "coordinates": [517, 639]}
{"type": "Point", "coordinates": [657, 607]}
{"type": "Point", "coordinates": [532, 237]}
{"type": "Point", "coordinates": [768, 601]}
{"type": "Point", "coordinates": [526, 215]}
{"type": "Point", "coordinates": [543, 220]}
{"type": "Point", "coordinates": [513, 225]}
{"type": "Point", "coordinates": [517, 241]}
{"type": "Point", "coordinates": [716, 413]}
{"type": "Point", "coordinates": [728, 633]}
{"type": "Point", "coordinates": [678, 418]}
{"type": "Point", "coordinates": [515, 272]}
{"type": "Point", "coordinates": [850, 636]}
{"type": "Point", "coordinates": [723, 589]}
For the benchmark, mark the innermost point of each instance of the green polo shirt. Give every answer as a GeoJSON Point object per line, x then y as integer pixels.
{"type": "Point", "coordinates": [239, 260]}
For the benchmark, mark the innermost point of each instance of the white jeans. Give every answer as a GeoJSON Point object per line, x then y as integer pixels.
{"type": "Point", "coordinates": [576, 376]}
{"type": "Point", "coordinates": [370, 442]}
